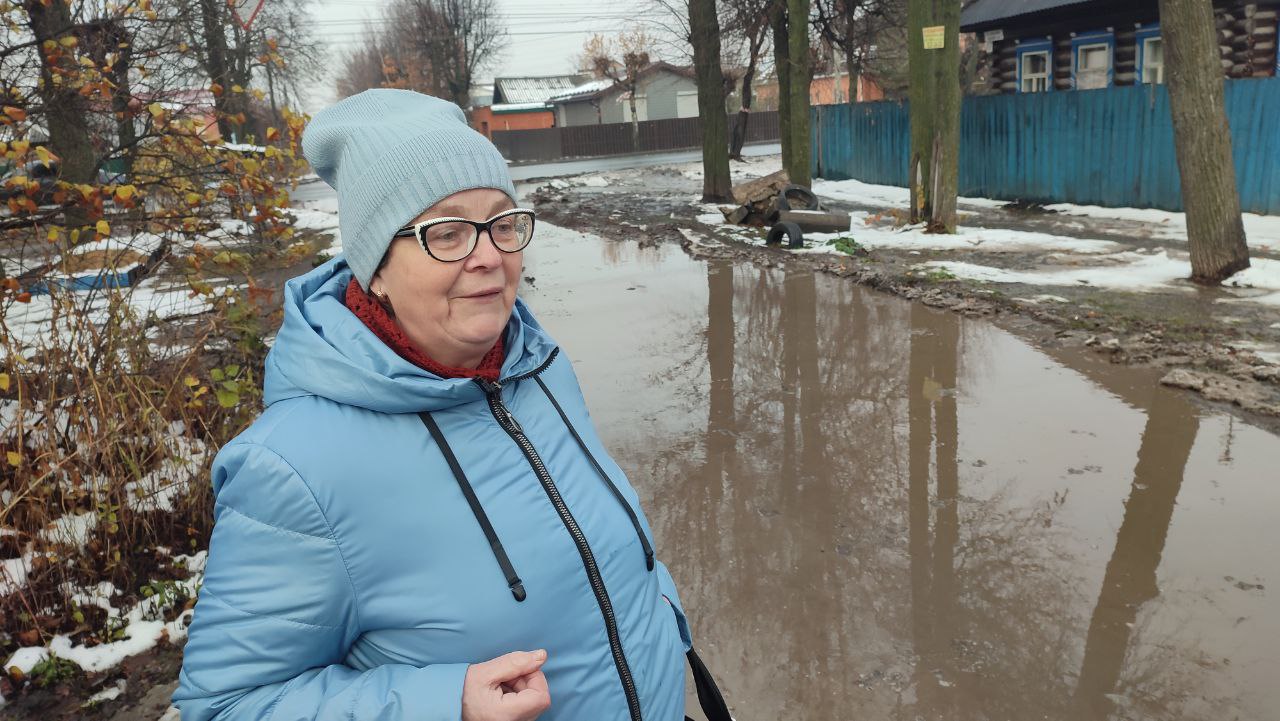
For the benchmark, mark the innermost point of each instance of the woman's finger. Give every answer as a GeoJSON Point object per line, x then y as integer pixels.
{"type": "Point", "coordinates": [512, 666]}
{"type": "Point", "coordinates": [525, 705]}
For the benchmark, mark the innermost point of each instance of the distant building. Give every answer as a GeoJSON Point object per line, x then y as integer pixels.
{"type": "Point", "coordinates": [663, 91]}
{"type": "Point", "coordinates": [1036, 46]}
{"type": "Point", "coordinates": [822, 91]}
{"type": "Point", "coordinates": [521, 103]}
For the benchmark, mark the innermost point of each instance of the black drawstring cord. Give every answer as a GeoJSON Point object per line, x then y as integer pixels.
{"type": "Point", "coordinates": [500, 553]}
{"type": "Point", "coordinates": [635, 521]}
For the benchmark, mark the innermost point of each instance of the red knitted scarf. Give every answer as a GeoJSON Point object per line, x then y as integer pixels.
{"type": "Point", "coordinates": [371, 312]}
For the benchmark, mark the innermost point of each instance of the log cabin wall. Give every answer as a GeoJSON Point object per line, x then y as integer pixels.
{"type": "Point", "coordinates": [1126, 56]}
{"type": "Point", "coordinates": [1247, 35]}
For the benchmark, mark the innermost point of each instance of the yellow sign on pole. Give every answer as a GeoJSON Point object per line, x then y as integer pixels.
{"type": "Point", "coordinates": [935, 37]}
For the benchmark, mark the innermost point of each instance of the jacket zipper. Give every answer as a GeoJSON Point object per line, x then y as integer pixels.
{"type": "Point", "coordinates": [508, 422]}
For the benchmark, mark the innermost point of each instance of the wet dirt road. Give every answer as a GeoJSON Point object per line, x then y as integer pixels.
{"type": "Point", "coordinates": [875, 510]}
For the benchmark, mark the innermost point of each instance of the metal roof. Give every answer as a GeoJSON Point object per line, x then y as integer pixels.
{"type": "Point", "coordinates": [584, 91]}
{"type": "Point", "coordinates": [597, 88]}
{"type": "Point", "coordinates": [531, 90]}
{"type": "Point", "coordinates": [984, 12]}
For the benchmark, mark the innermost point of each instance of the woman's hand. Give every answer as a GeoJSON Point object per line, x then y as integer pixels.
{"type": "Point", "coordinates": [508, 688]}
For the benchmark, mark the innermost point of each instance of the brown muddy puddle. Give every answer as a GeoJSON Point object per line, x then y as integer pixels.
{"type": "Point", "coordinates": [878, 511]}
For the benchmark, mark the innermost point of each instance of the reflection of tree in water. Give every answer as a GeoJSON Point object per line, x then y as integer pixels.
{"type": "Point", "coordinates": [1128, 669]}
{"type": "Point", "coordinates": [990, 623]}
{"type": "Point", "coordinates": [791, 512]}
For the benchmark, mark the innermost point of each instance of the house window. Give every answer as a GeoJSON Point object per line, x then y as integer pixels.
{"type": "Point", "coordinates": [1153, 61]}
{"type": "Point", "coordinates": [1093, 66]}
{"type": "Point", "coordinates": [1035, 72]}
{"type": "Point", "coordinates": [642, 108]}
{"type": "Point", "coordinates": [687, 104]}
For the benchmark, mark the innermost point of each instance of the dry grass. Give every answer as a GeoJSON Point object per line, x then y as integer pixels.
{"type": "Point", "coordinates": [109, 419]}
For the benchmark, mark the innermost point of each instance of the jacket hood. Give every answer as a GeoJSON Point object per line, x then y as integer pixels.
{"type": "Point", "coordinates": [323, 349]}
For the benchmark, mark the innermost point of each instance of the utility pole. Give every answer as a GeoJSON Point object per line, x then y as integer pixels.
{"type": "Point", "coordinates": [933, 56]}
{"type": "Point", "coordinates": [1202, 138]}
{"type": "Point", "coordinates": [801, 76]}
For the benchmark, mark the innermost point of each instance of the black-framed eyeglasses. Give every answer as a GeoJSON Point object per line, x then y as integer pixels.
{"type": "Point", "coordinates": [450, 240]}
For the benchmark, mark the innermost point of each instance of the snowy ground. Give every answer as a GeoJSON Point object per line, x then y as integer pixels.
{"type": "Point", "coordinates": [1154, 258]}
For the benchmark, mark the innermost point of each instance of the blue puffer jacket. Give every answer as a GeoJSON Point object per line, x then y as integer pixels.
{"type": "Point", "coordinates": [349, 577]}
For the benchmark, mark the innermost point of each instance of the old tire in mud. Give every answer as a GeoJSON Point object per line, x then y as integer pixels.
{"type": "Point", "coordinates": [797, 197]}
{"type": "Point", "coordinates": [795, 238]}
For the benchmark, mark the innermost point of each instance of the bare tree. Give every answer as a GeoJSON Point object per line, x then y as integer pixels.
{"type": "Point", "coordinates": [869, 34]}
{"type": "Point", "coordinates": [238, 61]}
{"type": "Point", "coordinates": [363, 67]}
{"type": "Point", "coordinates": [450, 41]}
{"type": "Point", "coordinates": [431, 46]}
{"type": "Point", "coordinates": [1215, 228]}
{"type": "Point", "coordinates": [621, 59]}
{"type": "Point", "coordinates": [746, 24]}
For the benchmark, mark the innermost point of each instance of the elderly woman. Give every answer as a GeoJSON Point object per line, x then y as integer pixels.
{"type": "Point", "coordinates": [423, 524]}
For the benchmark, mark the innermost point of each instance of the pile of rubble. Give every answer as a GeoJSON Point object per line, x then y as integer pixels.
{"type": "Point", "coordinates": [789, 209]}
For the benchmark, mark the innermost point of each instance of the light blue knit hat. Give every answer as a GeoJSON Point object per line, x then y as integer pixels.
{"type": "Point", "coordinates": [391, 154]}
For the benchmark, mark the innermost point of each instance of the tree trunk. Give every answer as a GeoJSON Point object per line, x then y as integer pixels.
{"type": "Point", "coordinates": [1215, 229]}
{"type": "Point", "coordinates": [704, 28]}
{"type": "Point", "coordinates": [854, 70]}
{"type": "Point", "coordinates": [65, 111]}
{"type": "Point", "coordinates": [934, 170]}
{"type": "Point", "coordinates": [215, 37]}
{"type": "Point", "coordinates": [744, 114]}
{"type": "Point", "coordinates": [635, 121]}
{"type": "Point", "coordinates": [801, 77]}
{"type": "Point", "coordinates": [780, 64]}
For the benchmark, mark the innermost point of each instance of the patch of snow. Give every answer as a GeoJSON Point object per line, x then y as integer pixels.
{"type": "Point", "coordinates": [871, 234]}
{"type": "Point", "coordinates": [586, 88]}
{"type": "Point", "coordinates": [141, 243]}
{"type": "Point", "coordinates": [243, 147]}
{"type": "Point", "coordinates": [27, 658]}
{"type": "Point", "coordinates": [1149, 272]}
{"type": "Point", "coordinates": [716, 218]}
{"type": "Point", "coordinates": [856, 191]}
{"type": "Point", "coordinates": [140, 634]}
{"type": "Point", "coordinates": [157, 490]}
{"type": "Point", "coordinates": [13, 573]}
{"type": "Point", "coordinates": [72, 529]}
{"type": "Point", "coordinates": [593, 181]}
{"type": "Point", "coordinates": [1046, 298]}
{"type": "Point", "coordinates": [1262, 231]}
{"type": "Point", "coordinates": [311, 219]}
{"type": "Point", "coordinates": [110, 694]}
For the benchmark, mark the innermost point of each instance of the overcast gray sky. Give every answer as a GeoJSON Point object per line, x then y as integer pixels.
{"type": "Point", "coordinates": [544, 37]}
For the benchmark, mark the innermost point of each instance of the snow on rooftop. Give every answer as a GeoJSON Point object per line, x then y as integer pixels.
{"type": "Point", "coordinates": [588, 88]}
{"type": "Point", "coordinates": [518, 107]}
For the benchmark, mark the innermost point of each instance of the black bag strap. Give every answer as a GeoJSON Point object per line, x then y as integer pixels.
{"type": "Point", "coordinates": [709, 698]}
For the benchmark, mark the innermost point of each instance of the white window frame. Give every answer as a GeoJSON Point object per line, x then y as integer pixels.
{"type": "Point", "coordinates": [682, 103]}
{"type": "Point", "coordinates": [1106, 71]}
{"type": "Point", "coordinates": [1146, 61]}
{"type": "Point", "coordinates": [1026, 82]}
{"type": "Point", "coordinates": [642, 107]}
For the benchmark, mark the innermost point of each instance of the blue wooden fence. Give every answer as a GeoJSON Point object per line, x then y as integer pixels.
{"type": "Point", "coordinates": [1110, 147]}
